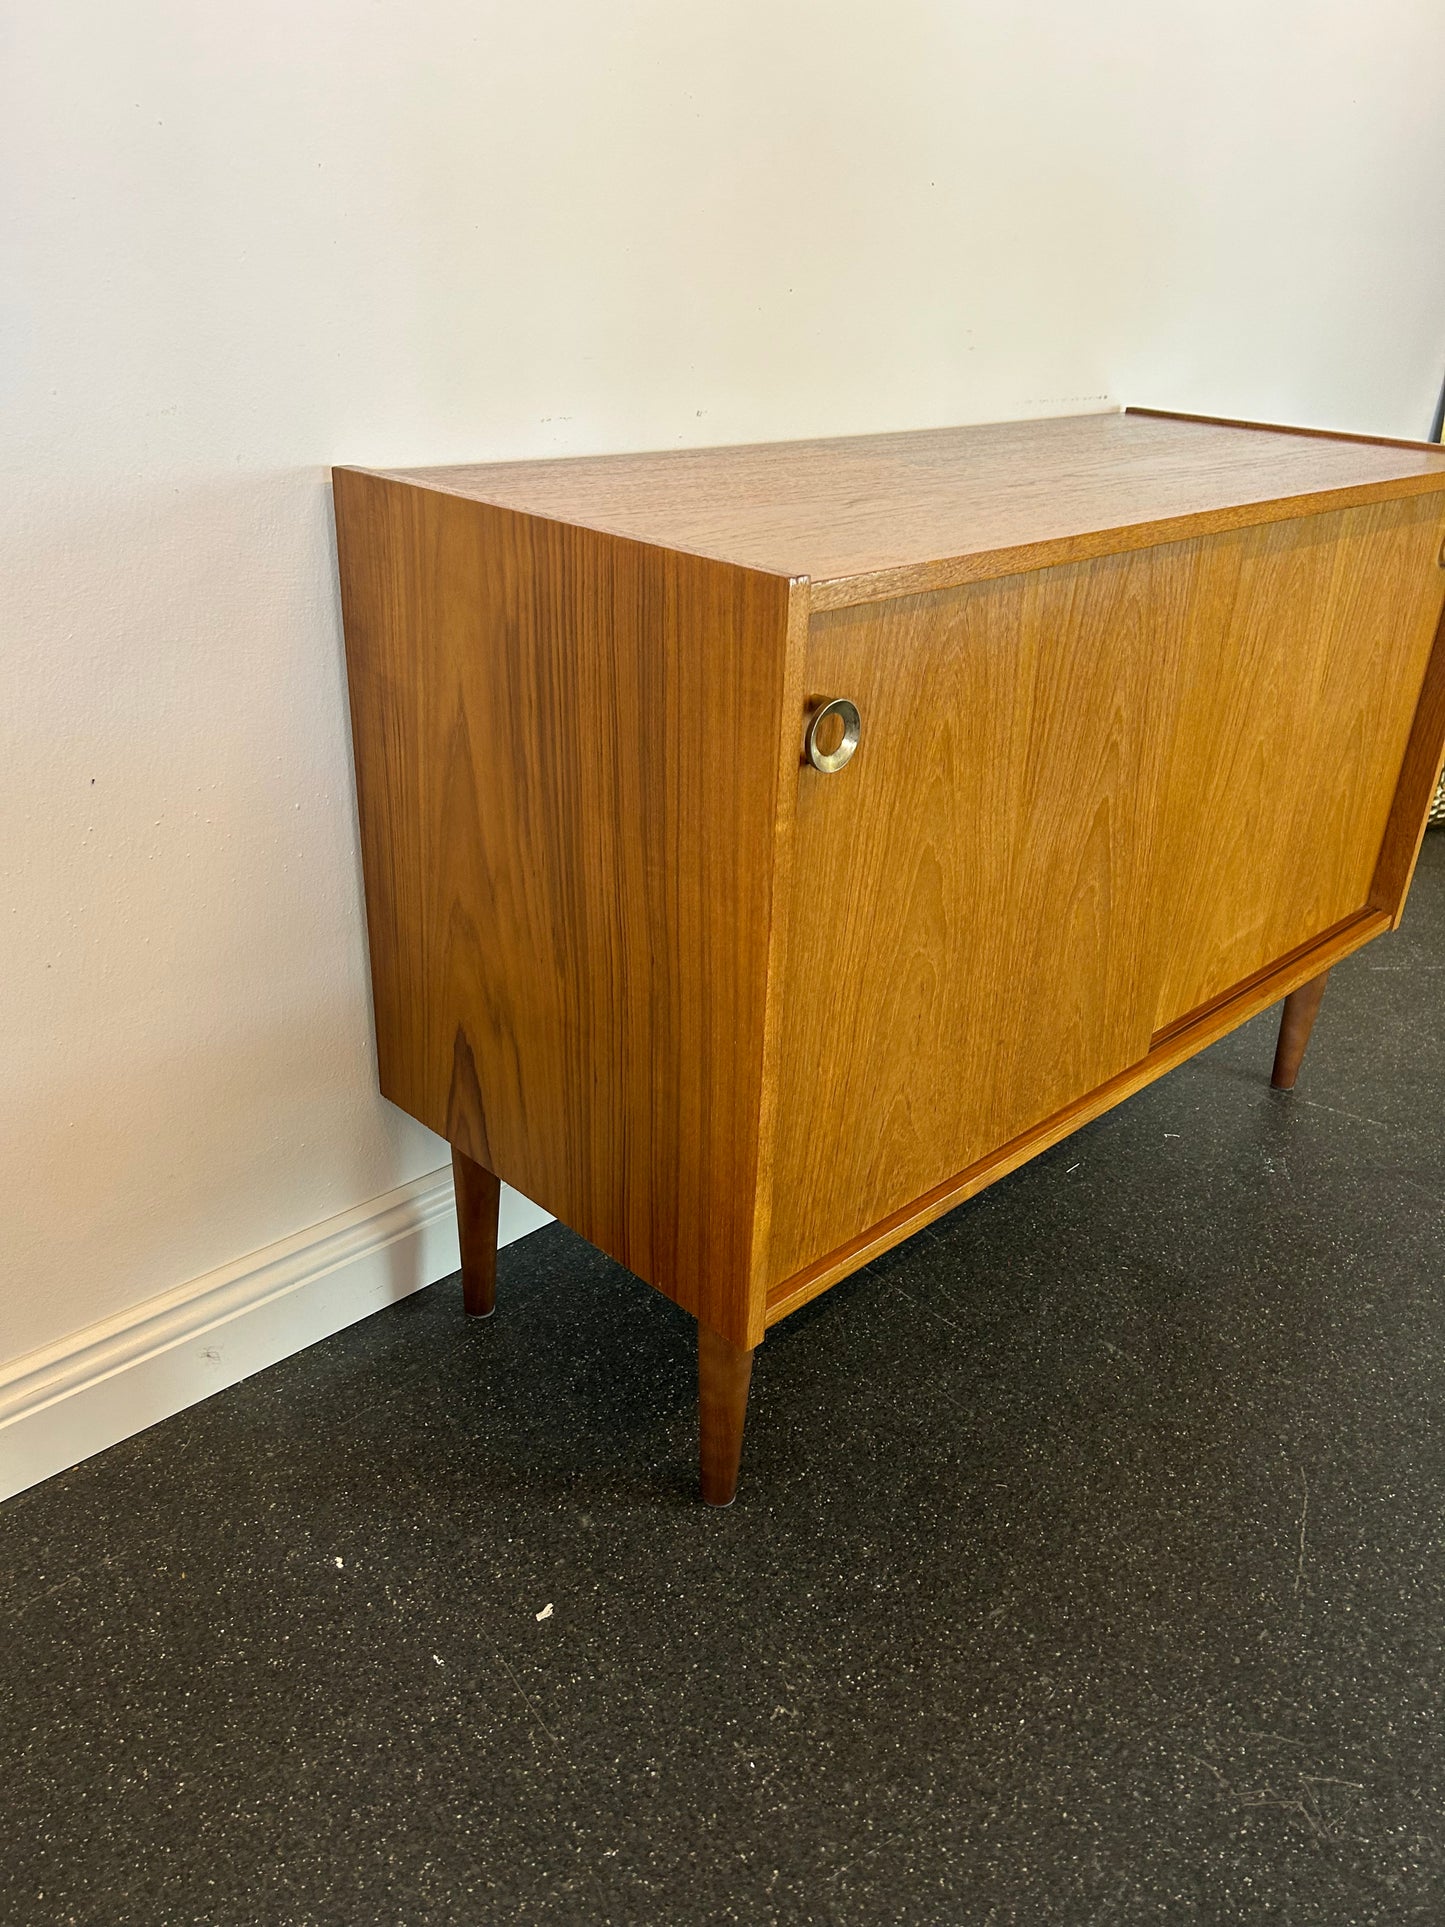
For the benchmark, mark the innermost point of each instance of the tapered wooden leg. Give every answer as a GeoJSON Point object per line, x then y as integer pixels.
{"type": "Point", "coordinates": [478, 1194]}
{"type": "Point", "coordinates": [1301, 1007]}
{"type": "Point", "coordinates": [724, 1371]}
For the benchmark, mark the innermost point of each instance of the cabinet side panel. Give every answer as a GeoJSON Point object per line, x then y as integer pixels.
{"type": "Point", "coordinates": [567, 759]}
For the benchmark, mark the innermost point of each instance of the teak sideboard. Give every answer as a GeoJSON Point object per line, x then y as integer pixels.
{"type": "Point", "coordinates": [767, 848]}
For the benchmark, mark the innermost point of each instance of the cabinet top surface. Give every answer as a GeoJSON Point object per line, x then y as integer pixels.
{"type": "Point", "coordinates": [881, 505]}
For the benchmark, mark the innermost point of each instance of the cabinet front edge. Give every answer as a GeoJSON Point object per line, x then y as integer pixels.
{"type": "Point", "coordinates": [790, 755]}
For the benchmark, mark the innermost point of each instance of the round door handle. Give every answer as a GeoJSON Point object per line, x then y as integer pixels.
{"type": "Point", "coordinates": [830, 760]}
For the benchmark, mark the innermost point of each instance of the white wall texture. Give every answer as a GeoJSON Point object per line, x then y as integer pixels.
{"type": "Point", "coordinates": [245, 242]}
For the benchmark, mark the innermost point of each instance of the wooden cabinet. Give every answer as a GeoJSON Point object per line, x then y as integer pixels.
{"type": "Point", "coordinates": [1149, 714]}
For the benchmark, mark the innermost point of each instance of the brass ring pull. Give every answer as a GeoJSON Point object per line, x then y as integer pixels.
{"type": "Point", "coordinates": [829, 761]}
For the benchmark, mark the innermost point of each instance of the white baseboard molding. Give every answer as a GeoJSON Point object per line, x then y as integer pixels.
{"type": "Point", "coordinates": [112, 1380]}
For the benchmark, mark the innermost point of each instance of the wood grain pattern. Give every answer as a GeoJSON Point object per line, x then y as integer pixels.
{"type": "Point", "coordinates": [790, 1294]}
{"type": "Point", "coordinates": [567, 759]}
{"type": "Point", "coordinates": [794, 706]}
{"type": "Point", "coordinates": [969, 945]}
{"type": "Point", "coordinates": [876, 515]}
{"type": "Point", "coordinates": [1419, 779]}
{"type": "Point", "coordinates": [1271, 973]}
{"type": "Point", "coordinates": [1302, 660]}
{"type": "Point", "coordinates": [1088, 802]}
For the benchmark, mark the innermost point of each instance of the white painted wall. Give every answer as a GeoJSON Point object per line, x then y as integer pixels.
{"type": "Point", "coordinates": [244, 242]}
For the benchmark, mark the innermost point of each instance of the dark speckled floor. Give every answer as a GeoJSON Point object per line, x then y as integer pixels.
{"type": "Point", "coordinates": [1089, 1566]}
